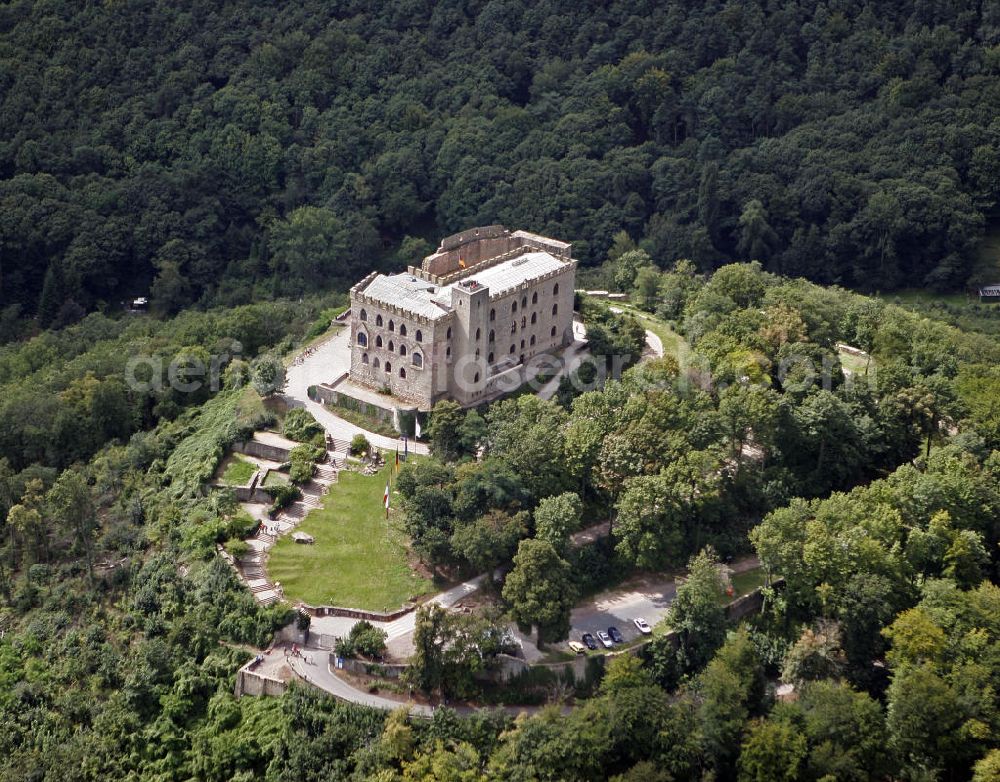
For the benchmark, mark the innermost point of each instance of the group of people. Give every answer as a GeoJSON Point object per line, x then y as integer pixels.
{"type": "Point", "coordinates": [303, 355]}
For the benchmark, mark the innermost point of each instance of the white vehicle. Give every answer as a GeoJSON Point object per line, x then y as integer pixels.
{"type": "Point", "coordinates": [642, 625]}
{"type": "Point", "coordinates": [605, 640]}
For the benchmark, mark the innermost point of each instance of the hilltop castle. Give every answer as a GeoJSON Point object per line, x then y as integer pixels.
{"type": "Point", "coordinates": [463, 324]}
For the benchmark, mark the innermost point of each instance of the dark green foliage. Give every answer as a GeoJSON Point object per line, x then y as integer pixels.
{"type": "Point", "coordinates": [359, 445]}
{"type": "Point", "coordinates": [364, 639]}
{"type": "Point", "coordinates": [688, 126]}
{"type": "Point", "coordinates": [300, 425]}
{"type": "Point", "coordinates": [284, 494]}
{"type": "Point", "coordinates": [302, 462]}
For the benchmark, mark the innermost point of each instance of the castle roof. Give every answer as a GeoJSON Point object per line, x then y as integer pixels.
{"type": "Point", "coordinates": [517, 271]}
{"type": "Point", "coordinates": [420, 297]}
{"type": "Point", "coordinates": [409, 293]}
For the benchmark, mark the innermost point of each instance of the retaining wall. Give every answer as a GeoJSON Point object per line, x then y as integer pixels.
{"type": "Point", "coordinates": [357, 613]}
{"type": "Point", "coordinates": [274, 453]}
{"type": "Point", "coordinates": [249, 682]}
{"type": "Point", "coordinates": [365, 668]}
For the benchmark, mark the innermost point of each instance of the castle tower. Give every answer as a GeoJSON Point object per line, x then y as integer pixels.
{"type": "Point", "coordinates": [471, 303]}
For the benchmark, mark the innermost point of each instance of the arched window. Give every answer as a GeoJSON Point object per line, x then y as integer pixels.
{"type": "Point", "coordinates": [402, 372]}
{"type": "Point", "coordinates": [378, 320]}
{"type": "Point", "coordinates": [392, 326]}
{"type": "Point", "coordinates": [553, 332]}
{"type": "Point", "coordinates": [532, 341]}
{"type": "Point", "coordinates": [375, 363]}
{"type": "Point", "coordinates": [448, 335]}
{"type": "Point", "coordinates": [524, 302]}
{"type": "Point", "coordinates": [477, 352]}
{"type": "Point", "coordinates": [362, 339]}
{"type": "Point", "coordinates": [513, 307]}
{"type": "Point", "coordinates": [363, 316]}
{"type": "Point", "coordinates": [420, 336]}
{"type": "Point", "coordinates": [513, 327]}
{"type": "Point", "coordinates": [378, 341]}
{"type": "Point", "coordinates": [489, 358]}
{"type": "Point", "coordinates": [555, 309]}
{"type": "Point", "coordinates": [555, 289]}
{"type": "Point", "coordinates": [391, 346]}
{"type": "Point", "coordinates": [534, 318]}
{"type": "Point", "coordinates": [402, 350]}
{"type": "Point", "coordinates": [522, 344]}
{"type": "Point", "coordinates": [524, 322]}
{"type": "Point", "coordinates": [534, 297]}
{"type": "Point", "coordinates": [388, 367]}
{"type": "Point", "coordinates": [479, 334]}
{"type": "Point", "coordinates": [447, 353]}
{"type": "Point", "coordinates": [418, 360]}
{"type": "Point", "coordinates": [512, 349]}
{"type": "Point", "coordinates": [402, 329]}
{"type": "Point", "coordinates": [364, 358]}
{"type": "Point", "coordinates": [493, 335]}
{"type": "Point", "coordinates": [493, 314]}
{"type": "Point", "coordinates": [476, 378]}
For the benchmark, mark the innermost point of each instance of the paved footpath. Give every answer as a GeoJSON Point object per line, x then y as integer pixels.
{"type": "Point", "coordinates": [329, 360]}
{"type": "Point", "coordinates": [313, 667]}
{"type": "Point", "coordinates": [397, 628]}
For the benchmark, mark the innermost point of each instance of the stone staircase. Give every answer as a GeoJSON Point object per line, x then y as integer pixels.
{"type": "Point", "coordinates": [252, 567]}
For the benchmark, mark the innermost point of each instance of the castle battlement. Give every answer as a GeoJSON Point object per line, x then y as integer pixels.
{"type": "Point", "coordinates": [410, 331]}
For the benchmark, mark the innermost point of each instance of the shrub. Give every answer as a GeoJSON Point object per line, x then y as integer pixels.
{"type": "Point", "coordinates": [359, 445]}
{"type": "Point", "coordinates": [301, 462]}
{"type": "Point", "coordinates": [283, 496]}
{"type": "Point", "coordinates": [364, 639]}
{"type": "Point", "coordinates": [301, 426]}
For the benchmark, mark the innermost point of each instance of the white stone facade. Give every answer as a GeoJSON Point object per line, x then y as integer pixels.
{"type": "Point", "coordinates": [482, 305]}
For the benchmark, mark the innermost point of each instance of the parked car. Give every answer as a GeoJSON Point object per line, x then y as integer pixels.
{"type": "Point", "coordinates": [589, 641]}
{"type": "Point", "coordinates": [616, 635]}
{"type": "Point", "coordinates": [577, 647]}
{"type": "Point", "coordinates": [642, 625]}
{"type": "Point", "coordinates": [605, 639]}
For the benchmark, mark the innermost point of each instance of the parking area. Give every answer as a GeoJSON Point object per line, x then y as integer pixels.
{"type": "Point", "coordinates": [649, 598]}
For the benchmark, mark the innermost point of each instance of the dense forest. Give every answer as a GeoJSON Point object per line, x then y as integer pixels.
{"type": "Point", "coordinates": [223, 152]}
{"type": "Point", "coordinates": [877, 500]}
{"type": "Point", "coordinates": [735, 168]}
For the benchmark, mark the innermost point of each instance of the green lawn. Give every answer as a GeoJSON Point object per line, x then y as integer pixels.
{"type": "Point", "coordinates": [673, 343]}
{"type": "Point", "coordinates": [857, 365]}
{"type": "Point", "coordinates": [238, 471]}
{"type": "Point", "coordinates": [358, 560]}
{"type": "Point", "coordinates": [745, 583]}
{"type": "Point", "coordinates": [275, 478]}
{"type": "Point", "coordinates": [957, 309]}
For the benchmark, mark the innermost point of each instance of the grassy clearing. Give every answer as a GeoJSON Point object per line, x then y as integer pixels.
{"type": "Point", "coordinates": [745, 583]}
{"type": "Point", "coordinates": [275, 478]}
{"type": "Point", "coordinates": [856, 365]}
{"type": "Point", "coordinates": [964, 311]}
{"type": "Point", "coordinates": [673, 343]}
{"type": "Point", "coordinates": [358, 560]}
{"type": "Point", "coordinates": [238, 471]}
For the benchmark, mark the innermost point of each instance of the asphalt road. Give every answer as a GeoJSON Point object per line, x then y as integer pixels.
{"type": "Point", "coordinates": [649, 598]}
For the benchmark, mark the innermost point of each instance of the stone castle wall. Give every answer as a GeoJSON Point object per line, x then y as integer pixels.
{"type": "Point", "coordinates": [484, 246]}
{"type": "Point", "coordinates": [458, 360]}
